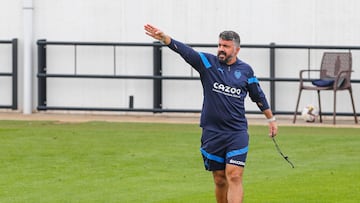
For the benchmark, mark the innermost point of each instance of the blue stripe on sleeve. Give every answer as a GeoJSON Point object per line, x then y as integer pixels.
{"type": "Point", "coordinates": [237, 152]}
{"type": "Point", "coordinates": [253, 80]}
{"type": "Point", "coordinates": [205, 60]}
{"type": "Point", "coordinates": [212, 157]}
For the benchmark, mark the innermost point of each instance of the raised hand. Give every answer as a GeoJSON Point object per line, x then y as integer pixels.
{"type": "Point", "coordinates": [156, 33]}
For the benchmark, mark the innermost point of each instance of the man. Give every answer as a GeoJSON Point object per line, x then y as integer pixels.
{"type": "Point", "coordinates": [226, 80]}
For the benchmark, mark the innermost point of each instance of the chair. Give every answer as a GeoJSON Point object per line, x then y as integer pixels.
{"type": "Point", "coordinates": [335, 75]}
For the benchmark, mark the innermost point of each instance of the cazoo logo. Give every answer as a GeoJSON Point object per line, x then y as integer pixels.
{"type": "Point", "coordinates": [226, 90]}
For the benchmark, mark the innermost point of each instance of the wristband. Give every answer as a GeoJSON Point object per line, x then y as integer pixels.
{"type": "Point", "coordinates": [271, 119]}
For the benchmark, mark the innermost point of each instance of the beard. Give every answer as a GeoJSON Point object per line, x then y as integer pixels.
{"type": "Point", "coordinates": [223, 58]}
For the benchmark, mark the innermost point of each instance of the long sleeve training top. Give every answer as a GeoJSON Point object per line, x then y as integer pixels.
{"type": "Point", "coordinates": [224, 89]}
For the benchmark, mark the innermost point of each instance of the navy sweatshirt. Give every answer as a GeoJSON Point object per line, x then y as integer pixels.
{"type": "Point", "coordinates": [224, 87]}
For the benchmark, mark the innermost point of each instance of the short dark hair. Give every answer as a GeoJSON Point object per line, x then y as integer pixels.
{"type": "Point", "coordinates": [230, 35]}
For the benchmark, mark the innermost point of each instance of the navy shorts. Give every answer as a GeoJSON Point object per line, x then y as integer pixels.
{"type": "Point", "coordinates": [221, 148]}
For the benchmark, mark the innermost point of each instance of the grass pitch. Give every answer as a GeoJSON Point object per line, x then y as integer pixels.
{"type": "Point", "coordinates": [43, 161]}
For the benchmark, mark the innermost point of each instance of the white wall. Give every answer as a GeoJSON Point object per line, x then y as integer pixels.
{"type": "Point", "coordinates": [11, 27]}
{"type": "Point", "coordinates": [320, 22]}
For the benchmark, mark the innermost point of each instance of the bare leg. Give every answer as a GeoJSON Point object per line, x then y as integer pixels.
{"type": "Point", "coordinates": [221, 186]}
{"type": "Point", "coordinates": [234, 179]}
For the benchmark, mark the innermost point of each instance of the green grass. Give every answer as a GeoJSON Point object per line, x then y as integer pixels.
{"type": "Point", "coordinates": [43, 161]}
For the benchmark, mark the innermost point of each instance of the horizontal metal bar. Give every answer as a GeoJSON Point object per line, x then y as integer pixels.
{"type": "Point", "coordinates": [150, 77]}
{"type": "Point", "coordinates": [167, 110]}
{"type": "Point", "coordinates": [282, 46]}
{"type": "Point", "coordinates": [147, 77]}
{"type": "Point", "coordinates": [43, 42]}
{"type": "Point", "coordinates": [5, 41]}
{"type": "Point", "coordinates": [293, 80]}
{"type": "Point", "coordinates": [272, 45]}
{"type": "Point", "coordinates": [6, 74]}
{"type": "Point", "coordinates": [5, 106]}
{"type": "Point", "coordinates": [117, 109]}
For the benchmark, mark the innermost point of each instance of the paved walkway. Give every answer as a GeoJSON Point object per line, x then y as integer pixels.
{"type": "Point", "coordinates": [165, 118]}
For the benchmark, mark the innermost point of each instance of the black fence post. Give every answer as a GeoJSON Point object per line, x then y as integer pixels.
{"type": "Point", "coordinates": [14, 74]}
{"type": "Point", "coordinates": [131, 101]}
{"type": "Point", "coordinates": [272, 77]}
{"type": "Point", "coordinates": [41, 74]}
{"type": "Point", "coordinates": [157, 73]}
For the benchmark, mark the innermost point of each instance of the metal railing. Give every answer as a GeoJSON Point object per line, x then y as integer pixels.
{"type": "Point", "coordinates": [157, 76]}
{"type": "Point", "coordinates": [13, 74]}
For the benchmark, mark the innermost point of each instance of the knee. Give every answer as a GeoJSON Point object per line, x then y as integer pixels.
{"type": "Point", "coordinates": [220, 180]}
{"type": "Point", "coordinates": [234, 176]}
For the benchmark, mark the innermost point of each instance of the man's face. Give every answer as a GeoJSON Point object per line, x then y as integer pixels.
{"type": "Point", "coordinates": [227, 51]}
